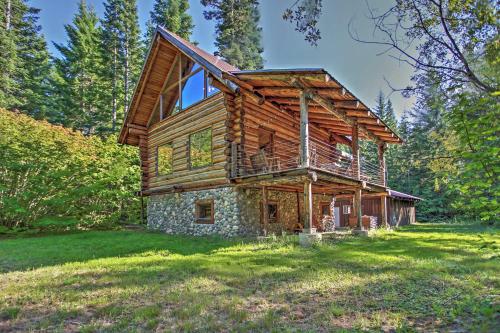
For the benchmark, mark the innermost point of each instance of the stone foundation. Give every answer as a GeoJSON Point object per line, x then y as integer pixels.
{"type": "Point", "coordinates": [237, 212]}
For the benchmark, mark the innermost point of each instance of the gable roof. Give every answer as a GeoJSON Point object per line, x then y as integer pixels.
{"type": "Point", "coordinates": [276, 85]}
{"type": "Point", "coordinates": [164, 48]}
{"type": "Point", "coordinates": [213, 63]}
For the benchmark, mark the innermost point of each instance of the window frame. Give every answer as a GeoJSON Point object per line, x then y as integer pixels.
{"type": "Point", "coordinates": [269, 220]}
{"type": "Point", "coordinates": [197, 210]}
{"type": "Point", "coordinates": [158, 159]}
{"type": "Point", "coordinates": [180, 82]}
{"type": "Point", "coordinates": [348, 208]}
{"type": "Point", "coordinates": [323, 204]}
{"type": "Point", "coordinates": [211, 149]}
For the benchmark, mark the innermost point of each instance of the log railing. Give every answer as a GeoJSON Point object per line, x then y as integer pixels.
{"type": "Point", "coordinates": [322, 156]}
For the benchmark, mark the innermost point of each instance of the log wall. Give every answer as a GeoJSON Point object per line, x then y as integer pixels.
{"type": "Point", "coordinates": [209, 113]}
{"type": "Point", "coordinates": [251, 116]}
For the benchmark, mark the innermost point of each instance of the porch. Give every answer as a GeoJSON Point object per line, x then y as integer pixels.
{"type": "Point", "coordinates": [300, 131]}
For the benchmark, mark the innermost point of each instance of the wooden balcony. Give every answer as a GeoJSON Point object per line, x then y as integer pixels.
{"type": "Point", "coordinates": [322, 156]}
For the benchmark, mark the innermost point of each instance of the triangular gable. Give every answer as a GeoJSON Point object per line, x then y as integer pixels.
{"type": "Point", "coordinates": [165, 48]}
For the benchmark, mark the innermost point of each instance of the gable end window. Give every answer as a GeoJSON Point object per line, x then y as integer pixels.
{"type": "Point", "coordinates": [200, 148]}
{"type": "Point", "coordinates": [164, 159]}
{"type": "Point", "coordinates": [188, 84]}
{"type": "Point", "coordinates": [204, 212]}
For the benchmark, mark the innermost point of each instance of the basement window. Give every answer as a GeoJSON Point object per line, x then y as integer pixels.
{"type": "Point", "coordinates": [272, 212]}
{"type": "Point", "coordinates": [204, 212]}
{"type": "Point", "coordinates": [325, 209]}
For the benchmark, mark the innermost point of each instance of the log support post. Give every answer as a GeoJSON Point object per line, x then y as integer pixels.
{"type": "Point", "coordinates": [308, 236]}
{"type": "Point", "coordinates": [304, 131]}
{"type": "Point", "coordinates": [307, 212]}
{"type": "Point", "coordinates": [383, 211]}
{"type": "Point", "coordinates": [265, 211]}
{"type": "Point", "coordinates": [357, 209]}
{"type": "Point", "coordinates": [381, 163]}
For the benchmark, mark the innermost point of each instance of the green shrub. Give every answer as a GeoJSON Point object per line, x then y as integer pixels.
{"type": "Point", "coordinates": [48, 170]}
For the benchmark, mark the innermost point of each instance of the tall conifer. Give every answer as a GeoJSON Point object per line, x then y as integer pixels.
{"type": "Point", "coordinates": [238, 34]}
{"type": "Point", "coordinates": [78, 77]}
{"type": "Point", "coordinates": [121, 56]}
{"type": "Point", "coordinates": [24, 61]}
{"type": "Point", "coordinates": [172, 15]}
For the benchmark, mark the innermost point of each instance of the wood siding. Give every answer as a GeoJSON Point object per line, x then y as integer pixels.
{"type": "Point", "coordinates": [400, 212]}
{"type": "Point", "coordinates": [209, 113]}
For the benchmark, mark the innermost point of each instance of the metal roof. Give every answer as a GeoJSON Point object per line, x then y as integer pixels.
{"type": "Point", "coordinates": [401, 195]}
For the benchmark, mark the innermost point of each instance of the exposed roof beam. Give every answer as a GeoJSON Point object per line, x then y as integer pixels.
{"type": "Point", "coordinates": [335, 111]}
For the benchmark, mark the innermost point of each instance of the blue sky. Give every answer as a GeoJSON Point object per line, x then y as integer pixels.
{"type": "Point", "coordinates": [358, 66]}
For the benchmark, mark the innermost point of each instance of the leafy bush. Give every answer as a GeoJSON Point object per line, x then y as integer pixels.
{"type": "Point", "coordinates": [48, 170]}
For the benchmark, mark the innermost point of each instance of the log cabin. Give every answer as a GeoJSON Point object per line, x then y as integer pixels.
{"type": "Point", "coordinates": [253, 152]}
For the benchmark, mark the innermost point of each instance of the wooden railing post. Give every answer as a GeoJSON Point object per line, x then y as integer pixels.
{"type": "Point", "coordinates": [304, 131]}
{"type": "Point", "coordinates": [355, 151]}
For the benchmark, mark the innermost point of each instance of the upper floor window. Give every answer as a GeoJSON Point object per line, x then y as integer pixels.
{"type": "Point", "coordinates": [188, 84]}
{"type": "Point", "coordinates": [164, 159]}
{"type": "Point", "coordinates": [200, 148]}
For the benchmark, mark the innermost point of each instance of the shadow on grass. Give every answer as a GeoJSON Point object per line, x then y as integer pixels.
{"type": "Point", "coordinates": [398, 276]}
{"type": "Point", "coordinates": [34, 252]}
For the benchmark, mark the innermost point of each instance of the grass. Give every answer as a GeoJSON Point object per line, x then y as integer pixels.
{"type": "Point", "coordinates": [432, 277]}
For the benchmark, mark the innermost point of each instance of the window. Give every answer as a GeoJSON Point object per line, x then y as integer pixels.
{"type": "Point", "coordinates": [200, 148]}
{"type": "Point", "coordinates": [325, 209]}
{"type": "Point", "coordinates": [346, 209]}
{"type": "Point", "coordinates": [193, 89]}
{"type": "Point", "coordinates": [204, 211]}
{"type": "Point", "coordinates": [189, 80]}
{"type": "Point", "coordinates": [164, 157]}
{"type": "Point", "coordinates": [272, 212]}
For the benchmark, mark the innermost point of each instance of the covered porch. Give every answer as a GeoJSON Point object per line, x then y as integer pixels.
{"type": "Point", "coordinates": [300, 131]}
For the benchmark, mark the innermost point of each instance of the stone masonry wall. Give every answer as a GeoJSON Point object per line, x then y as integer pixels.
{"type": "Point", "coordinates": [174, 213]}
{"type": "Point", "coordinates": [237, 212]}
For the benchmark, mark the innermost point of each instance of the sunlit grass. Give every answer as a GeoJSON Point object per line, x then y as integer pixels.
{"type": "Point", "coordinates": [424, 277]}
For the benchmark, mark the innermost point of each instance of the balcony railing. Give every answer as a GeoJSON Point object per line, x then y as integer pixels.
{"type": "Point", "coordinates": [322, 156]}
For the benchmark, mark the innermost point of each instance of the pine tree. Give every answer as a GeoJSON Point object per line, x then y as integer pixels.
{"type": "Point", "coordinates": [110, 54]}
{"type": "Point", "coordinates": [77, 82]}
{"type": "Point", "coordinates": [390, 116]}
{"type": "Point", "coordinates": [121, 56]}
{"type": "Point", "coordinates": [380, 107]}
{"type": "Point", "coordinates": [131, 53]}
{"type": "Point", "coordinates": [10, 14]}
{"type": "Point", "coordinates": [24, 64]}
{"type": "Point", "coordinates": [172, 15]}
{"type": "Point", "coordinates": [238, 34]}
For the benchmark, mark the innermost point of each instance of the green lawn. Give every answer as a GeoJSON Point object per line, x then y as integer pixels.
{"type": "Point", "coordinates": [433, 277]}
